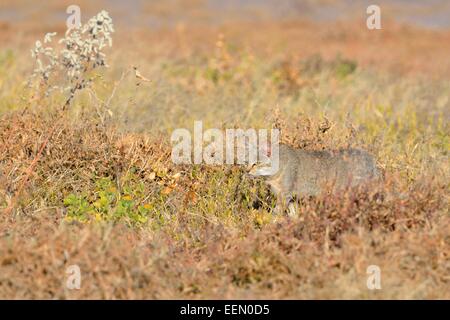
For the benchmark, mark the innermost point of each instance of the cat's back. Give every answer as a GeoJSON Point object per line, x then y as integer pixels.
{"type": "Point", "coordinates": [306, 171]}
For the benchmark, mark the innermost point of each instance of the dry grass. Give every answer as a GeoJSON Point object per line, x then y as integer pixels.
{"type": "Point", "coordinates": [277, 262]}
{"type": "Point", "coordinates": [106, 196]}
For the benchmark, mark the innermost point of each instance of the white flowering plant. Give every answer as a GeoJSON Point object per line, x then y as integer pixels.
{"type": "Point", "coordinates": [68, 68]}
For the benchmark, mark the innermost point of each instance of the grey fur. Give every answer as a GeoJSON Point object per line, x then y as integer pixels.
{"type": "Point", "coordinates": [305, 173]}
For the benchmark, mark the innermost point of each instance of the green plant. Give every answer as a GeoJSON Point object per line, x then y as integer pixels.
{"type": "Point", "coordinates": [344, 67]}
{"type": "Point", "coordinates": [108, 203]}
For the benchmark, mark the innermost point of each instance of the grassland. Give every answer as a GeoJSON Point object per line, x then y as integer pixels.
{"type": "Point", "coordinates": [103, 194]}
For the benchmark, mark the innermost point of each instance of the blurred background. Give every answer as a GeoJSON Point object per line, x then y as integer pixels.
{"type": "Point", "coordinates": [250, 55]}
{"type": "Point", "coordinates": [297, 27]}
{"type": "Point", "coordinates": [432, 13]}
